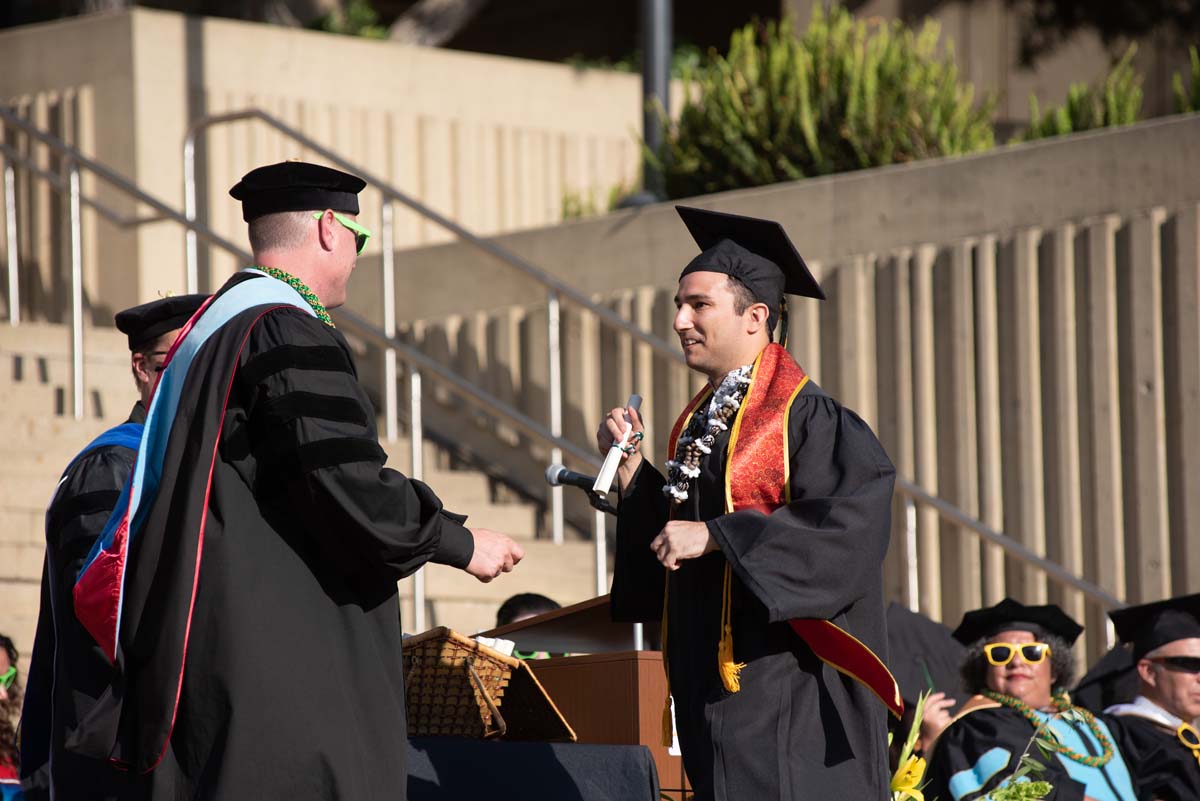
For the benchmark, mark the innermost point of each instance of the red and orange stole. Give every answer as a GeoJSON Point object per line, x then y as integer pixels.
{"type": "Point", "coordinates": [757, 473]}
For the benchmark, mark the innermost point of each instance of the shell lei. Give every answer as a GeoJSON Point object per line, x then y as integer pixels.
{"type": "Point", "coordinates": [698, 439]}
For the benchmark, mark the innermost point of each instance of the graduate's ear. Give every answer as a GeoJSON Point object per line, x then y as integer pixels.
{"type": "Point", "coordinates": [1145, 671]}
{"type": "Point", "coordinates": [756, 317]}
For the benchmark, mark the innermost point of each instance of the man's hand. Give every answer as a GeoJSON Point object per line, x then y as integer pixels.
{"type": "Point", "coordinates": [611, 429]}
{"type": "Point", "coordinates": [494, 554]}
{"type": "Point", "coordinates": [682, 539]}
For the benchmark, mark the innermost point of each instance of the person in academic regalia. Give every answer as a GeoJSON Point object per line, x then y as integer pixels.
{"type": "Point", "coordinates": [245, 587]}
{"type": "Point", "coordinates": [765, 538]}
{"type": "Point", "coordinates": [1156, 731]}
{"type": "Point", "coordinates": [1018, 664]}
{"type": "Point", "coordinates": [67, 670]}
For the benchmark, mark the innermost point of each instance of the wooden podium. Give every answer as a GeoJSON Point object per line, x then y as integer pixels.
{"type": "Point", "coordinates": [611, 694]}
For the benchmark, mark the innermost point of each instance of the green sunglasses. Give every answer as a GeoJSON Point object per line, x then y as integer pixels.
{"type": "Point", "coordinates": [8, 677]}
{"type": "Point", "coordinates": [361, 232]}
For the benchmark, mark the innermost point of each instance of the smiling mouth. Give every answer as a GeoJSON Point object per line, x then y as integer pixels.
{"type": "Point", "coordinates": [687, 343]}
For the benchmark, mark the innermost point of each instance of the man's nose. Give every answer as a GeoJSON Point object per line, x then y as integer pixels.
{"type": "Point", "coordinates": [683, 319]}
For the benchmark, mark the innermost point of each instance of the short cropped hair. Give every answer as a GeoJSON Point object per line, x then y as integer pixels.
{"type": "Point", "coordinates": [280, 231]}
{"type": "Point", "coordinates": [743, 299]}
{"type": "Point", "coordinates": [1062, 664]}
{"type": "Point", "coordinates": [523, 605]}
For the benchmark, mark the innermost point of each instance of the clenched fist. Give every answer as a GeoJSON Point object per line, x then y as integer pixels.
{"type": "Point", "coordinates": [682, 539]}
{"type": "Point", "coordinates": [494, 554]}
{"type": "Point", "coordinates": [612, 429]}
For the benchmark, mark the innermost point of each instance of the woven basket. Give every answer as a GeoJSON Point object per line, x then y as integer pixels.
{"type": "Point", "coordinates": [454, 685]}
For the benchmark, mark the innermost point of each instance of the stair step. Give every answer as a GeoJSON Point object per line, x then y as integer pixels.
{"type": "Point", "coordinates": [21, 558]}
{"type": "Point", "coordinates": [54, 339]}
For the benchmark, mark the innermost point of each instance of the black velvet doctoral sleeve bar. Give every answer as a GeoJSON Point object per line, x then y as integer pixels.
{"type": "Point", "coordinates": [311, 428]}
{"type": "Point", "coordinates": [638, 578]}
{"type": "Point", "coordinates": [820, 553]}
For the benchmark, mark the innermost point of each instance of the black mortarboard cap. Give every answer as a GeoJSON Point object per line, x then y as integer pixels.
{"type": "Point", "coordinates": [1009, 615]}
{"type": "Point", "coordinates": [296, 186]}
{"type": "Point", "coordinates": [1153, 625]}
{"type": "Point", "coordinates": [756, 251]}
{"type": "Point", "coordinates": [146, 323]}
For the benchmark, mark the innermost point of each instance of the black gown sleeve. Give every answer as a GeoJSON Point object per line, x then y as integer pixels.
{"type": "Point", "coordinates": [976, 753]}
{"type": "Point", "coordinates": [311, 429]}
{"type": "Point", "coordinates": [820, 553]}
{"type": "Point", "coordinates": [638, 577]}
{"type": "Point", "coordinates": [82, 503]}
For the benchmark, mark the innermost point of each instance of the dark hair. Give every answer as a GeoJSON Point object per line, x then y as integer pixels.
{"type": "Point", "coordinates": [281, 230]}
{"type": "Point", "coordinates": [743, 299]}
{"type": "Point", "coordinates": [9, 753]}
{"type": "Point", "coordinates": [1062, 664]}
{"type": "Point", "coordinates": [523, 605]}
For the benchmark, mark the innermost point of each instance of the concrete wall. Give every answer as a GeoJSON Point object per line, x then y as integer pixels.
{"type": "Point", "coordinates": [1020, 327]}
{"type": "Point", "coordinates": [494, 143]}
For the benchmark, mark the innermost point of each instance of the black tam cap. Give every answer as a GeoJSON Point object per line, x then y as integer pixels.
{"type": "Point", "coordinates": [146, 323]}
{"type": "Point", "coordinates": [1153, 625]}
{"type": "Point", "coordinates": [757, 252]}
{"type": "Point", "coordinates": [1009, 615]}
{"type": "Point", "coordinates": [296, 186]}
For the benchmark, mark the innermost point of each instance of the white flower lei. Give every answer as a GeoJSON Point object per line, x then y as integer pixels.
{"type": "Point", "coordinates": [698, 438]}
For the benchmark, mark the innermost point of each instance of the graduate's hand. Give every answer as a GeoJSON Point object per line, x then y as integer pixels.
{"type": "Point", "coordinates": [682, 539]}
{"type": "Point", "coordinates": [611, 429]}
{"type": "Point", "coordinates": [494, 554]}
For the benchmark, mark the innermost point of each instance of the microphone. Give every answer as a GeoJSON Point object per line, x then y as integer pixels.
{"type": "Point", "coordinates": [559, 476]}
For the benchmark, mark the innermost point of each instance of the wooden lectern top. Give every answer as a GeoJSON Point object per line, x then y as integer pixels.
{"type": "Point", "coordinates": [583, 628]}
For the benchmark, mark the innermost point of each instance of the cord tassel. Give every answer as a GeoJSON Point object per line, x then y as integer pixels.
{"type": "Point", "coordinates": [731, 672]}
{"type": "Point", "coordinates": [668, 731]}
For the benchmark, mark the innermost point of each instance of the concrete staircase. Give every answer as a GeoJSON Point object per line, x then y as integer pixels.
{"type": "Point", "coordinates": [40, 437]}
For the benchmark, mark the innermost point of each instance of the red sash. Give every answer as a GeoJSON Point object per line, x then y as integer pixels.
{"type": "Point", "coordinates": [757, 477]}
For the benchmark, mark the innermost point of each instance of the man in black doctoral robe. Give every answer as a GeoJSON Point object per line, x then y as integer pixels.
{"type": "Point", "coordinates": [761, 592]}
{"type": "Point", "coordinates": [245, 588]}
{"type": "Point", "coordinates": [1156, 731]}
{"type": "Point", "coordinates": [67, 671]}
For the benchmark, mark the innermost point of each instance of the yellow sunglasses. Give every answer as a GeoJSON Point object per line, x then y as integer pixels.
{"type": "Point", "coordinates": [361, 232]}
{"type": "Point", "coordinates": [1001, 653]}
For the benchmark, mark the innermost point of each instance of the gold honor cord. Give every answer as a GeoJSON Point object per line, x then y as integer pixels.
{"type": "Point", "coordinates": [1190, 738]}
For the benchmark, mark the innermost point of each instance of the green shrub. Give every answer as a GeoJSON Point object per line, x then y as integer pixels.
{"type": "Point", "coordinates": [1118, 101]}
{"type": "Point", "coordinates": [844, 95]}
{"type": "Point", "coordinates": [1185, 101]}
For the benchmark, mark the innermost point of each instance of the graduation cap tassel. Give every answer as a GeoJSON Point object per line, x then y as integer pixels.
{"type": "Point", "coordinates": [783, 323]}
{"type": "Point", "coordinates": [730, 671]}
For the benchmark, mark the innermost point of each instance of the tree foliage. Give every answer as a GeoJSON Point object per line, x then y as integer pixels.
{"type": "Point", "coordinates": [844, 95]}
{"type": "Point", "coordinates": [1116, 101]}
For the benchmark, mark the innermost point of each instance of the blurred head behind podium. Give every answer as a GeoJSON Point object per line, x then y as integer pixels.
{"type": "Point", "coordinates": [523, 606]}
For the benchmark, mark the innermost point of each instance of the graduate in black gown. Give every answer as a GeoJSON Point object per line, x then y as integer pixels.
{"type": "Point", "coordinates": [1018, 664]}
{"type": "Point", "coordinates": [1156, 731]}
{"type": "Point", "coordinates": [67, 671]}
{"type": "Point", "coordinates": [772, 548]}
{"type": "Point", "coordinates": [254, 558]}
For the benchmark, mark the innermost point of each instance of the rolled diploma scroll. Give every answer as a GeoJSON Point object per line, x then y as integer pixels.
{"type": "Point", "coordinates": [608, 472]}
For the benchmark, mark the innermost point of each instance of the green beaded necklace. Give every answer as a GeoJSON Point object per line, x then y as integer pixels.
{"type": "Point", "coordinates": [1062, 703]}
{"type": "Point", "coordinates": [301, 287]}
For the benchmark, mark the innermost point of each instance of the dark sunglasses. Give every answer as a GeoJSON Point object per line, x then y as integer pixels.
{"type": "Point", "coordinates": [1183, 664]}
{"type": "Point", "coordinates": [158, 368]}
{"type": "Point", "coordinates": [1001, 653]}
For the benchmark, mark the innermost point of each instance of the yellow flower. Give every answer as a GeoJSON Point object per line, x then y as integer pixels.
{"type": "Point", "coordinates": [905, 784]}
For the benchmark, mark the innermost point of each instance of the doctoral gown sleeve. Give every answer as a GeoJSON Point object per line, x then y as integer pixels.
{"type": "Point", "coordinates": [311, 429]}
{"type": "Point", "coordinates": [638, 578]}
{"type": "Point", "coordinates": [976, 753]}
{"type": "Point", "coordinates": [820, 553]}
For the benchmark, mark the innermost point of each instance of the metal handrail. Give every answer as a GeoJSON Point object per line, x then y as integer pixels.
{"type": "Point", "coordinates": [1011, 547]}
{"type": "Point", "coordinates": [490, 247]}
{"type": "Point", "coordinates": [555, 289]}
{"type": "Point", "coordinates": [417, 361]}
